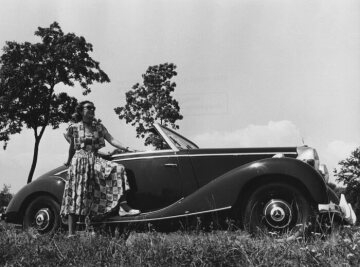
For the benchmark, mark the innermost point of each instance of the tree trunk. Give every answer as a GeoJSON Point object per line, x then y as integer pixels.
{"type": "Point", "coordinates": [38, 138]}
{"type": "Point", "coordinates": [35, 156]}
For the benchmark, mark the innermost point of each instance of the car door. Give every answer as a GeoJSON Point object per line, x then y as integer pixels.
{"type": "Point", "coordinates": [154, 180]}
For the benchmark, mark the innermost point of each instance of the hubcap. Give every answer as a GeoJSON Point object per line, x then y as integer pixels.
{"type": "Point", "coordinates": [42, 219]}
{"type": "Point", "coordinates": [277, 213]}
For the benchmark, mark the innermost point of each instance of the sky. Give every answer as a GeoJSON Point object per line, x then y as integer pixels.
{"type": "Point", "coordinates": [250, 72]}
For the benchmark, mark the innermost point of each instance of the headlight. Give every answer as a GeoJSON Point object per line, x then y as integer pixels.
{"type": "Point", "coordinates": [308, 155]}
{"type": "Point", "coordinates": [324, 172]}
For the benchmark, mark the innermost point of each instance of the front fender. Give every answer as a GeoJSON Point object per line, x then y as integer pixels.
{"type": "Point", "coordinates": [225, 190]}
{"type": "Point", "coordinates": [50, 185]}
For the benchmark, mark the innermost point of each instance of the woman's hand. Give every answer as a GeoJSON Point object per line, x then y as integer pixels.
{"type": "Point", "coordinates": [127, 149]}
{"type": "Point", "coordinates": [67, 164]}
{"type": "Point", "coordinates": [121, 150]}
{"type": "Point", "coordinates": [116, 143]}
{"type": "Point", "coordinates": [124, 149]}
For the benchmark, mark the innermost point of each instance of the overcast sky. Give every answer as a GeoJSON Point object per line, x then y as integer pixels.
{"type": "Point", "coordinates": [250, 72]}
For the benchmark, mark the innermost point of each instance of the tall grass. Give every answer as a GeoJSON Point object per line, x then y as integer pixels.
{"type": "Point", "coordinates": [182, 248]}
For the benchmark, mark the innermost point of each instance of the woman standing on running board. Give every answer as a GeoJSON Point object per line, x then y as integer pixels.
{"type": "Point", "coordinates": [95, 186]}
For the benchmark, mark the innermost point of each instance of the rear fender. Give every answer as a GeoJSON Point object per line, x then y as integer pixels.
{"type": "Point", "coordinates": [226, 190]}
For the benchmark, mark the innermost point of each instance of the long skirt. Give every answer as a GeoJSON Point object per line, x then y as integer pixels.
{"type": "Point", "coordinates": [94, 186]}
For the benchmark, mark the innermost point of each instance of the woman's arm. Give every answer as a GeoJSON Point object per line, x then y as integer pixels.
{"type": "Point", "coordinates": [71, 153]}
{"type": "Point", "coordinates": [114, 142]}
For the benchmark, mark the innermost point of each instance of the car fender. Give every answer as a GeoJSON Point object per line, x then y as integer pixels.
{"type": "Point", "coordinates": [225, 190]}
{"type": "Point", "coordinates": [50, 185]}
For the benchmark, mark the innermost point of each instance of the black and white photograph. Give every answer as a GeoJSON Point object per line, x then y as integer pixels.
{"type": "Point", "coordinates": [180, 133]}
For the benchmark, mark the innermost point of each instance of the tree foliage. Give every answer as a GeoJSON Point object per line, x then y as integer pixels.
{"type": "Point", "coordinates": [349, 175]}
{"type": "Point", "coordinates": [29, 73]}
{"type": "Point", "coordinates": [5, 196]}
{"type": "Point", "coordinates": [152, 102]}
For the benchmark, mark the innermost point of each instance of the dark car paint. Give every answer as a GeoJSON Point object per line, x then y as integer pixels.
{"type": "Point", "coordinates": [160, 179]}
{"type": "Point", "coordinates": [224, 191]}
{"type": "Point", "coordinates": [180, 183]}
{"type": "Point", "coordinates": [153, 181]}
{"type": "Point", "coordinates": [44, 185]}
{"type": "Point", "coordinates": [209, 164]}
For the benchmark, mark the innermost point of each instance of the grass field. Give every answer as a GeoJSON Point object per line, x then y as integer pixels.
{"type": "Point", "coordinates": [181, 248]}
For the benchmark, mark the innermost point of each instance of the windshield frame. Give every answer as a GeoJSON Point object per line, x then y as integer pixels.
{"type": "Point", "coordinates": [173, 144]}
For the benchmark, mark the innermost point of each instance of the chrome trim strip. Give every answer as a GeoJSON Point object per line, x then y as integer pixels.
{"type": "Point", "coordinates": [245, 153]}
{"type": "Point", "coordinates": [60, 173]}
{"type": "Point", "coordinates": [144, 152]}
{"type": "Point", "coordinates": [163, 218]}
{"type": "Point", "coordinates": [62, 178]}
{"type": "Point", "coordinates": [205, 155]}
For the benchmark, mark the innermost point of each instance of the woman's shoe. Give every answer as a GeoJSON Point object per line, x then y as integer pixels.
{"type": "Point", "coordinates": [126, 210]}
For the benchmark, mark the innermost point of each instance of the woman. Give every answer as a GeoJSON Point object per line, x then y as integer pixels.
{"type": "Point", "coordinates": [95, 186]}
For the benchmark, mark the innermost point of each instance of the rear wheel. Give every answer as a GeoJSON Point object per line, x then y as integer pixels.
{"type": "Point", "coordinates": [276, 207]}
{"type": "Point", "coordinates": [42, 214]}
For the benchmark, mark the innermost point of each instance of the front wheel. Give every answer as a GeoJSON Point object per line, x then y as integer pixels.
{"type": "Point", "coordinates": [42, 214]}
{"type": "Point", "coordinates": [276, 207]}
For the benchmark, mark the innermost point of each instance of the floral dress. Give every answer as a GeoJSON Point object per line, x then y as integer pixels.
{"type": "Point", "coordinates": [94, 185]}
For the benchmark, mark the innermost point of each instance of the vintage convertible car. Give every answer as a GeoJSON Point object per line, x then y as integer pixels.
{"type": "Point", "coordinates": [273, 188]}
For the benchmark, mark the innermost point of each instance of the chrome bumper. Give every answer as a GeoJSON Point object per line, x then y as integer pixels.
{"type": "Point", "coordinates": [343, 209]}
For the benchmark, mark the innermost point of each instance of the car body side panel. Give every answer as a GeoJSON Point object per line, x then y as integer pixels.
{"type": "Point", "coordinates": [155, 182]}
{"type": "Point", "coordinates": [209, 164]}
{"type": "Point", "coordinates": [223, 192]}
{"type": "Point", "coordinates": [189, 182]}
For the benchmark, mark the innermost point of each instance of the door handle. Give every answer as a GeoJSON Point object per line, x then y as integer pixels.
{"type": "Point", "coordinates": [171, 165]}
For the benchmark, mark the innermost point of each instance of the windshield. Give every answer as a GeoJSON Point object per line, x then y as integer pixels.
{"type": "Point", "coordinates": [177, 140]}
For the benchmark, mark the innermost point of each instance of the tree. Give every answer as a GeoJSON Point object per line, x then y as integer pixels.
{"type": "Point", "coordinates": [349, 175]}
{"type": "Point", "coordinates": [5, 196]}
{"type": "Point", "coordinates": [28, 76]}
{"type": "Point", "coordinates": [152, 102]}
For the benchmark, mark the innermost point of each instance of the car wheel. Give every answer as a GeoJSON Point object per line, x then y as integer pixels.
{"type": "Point", "coordinates": [277, 208]}
{"type": "Point", "coordinates": [43, 214]}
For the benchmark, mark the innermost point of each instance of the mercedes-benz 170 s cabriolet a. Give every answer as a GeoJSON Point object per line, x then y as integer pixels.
{"type": "Point", "coordinates": [273, 188]}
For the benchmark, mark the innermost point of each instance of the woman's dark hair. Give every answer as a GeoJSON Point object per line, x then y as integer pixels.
{"type": "Point", "coordinates": [76, 117]}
